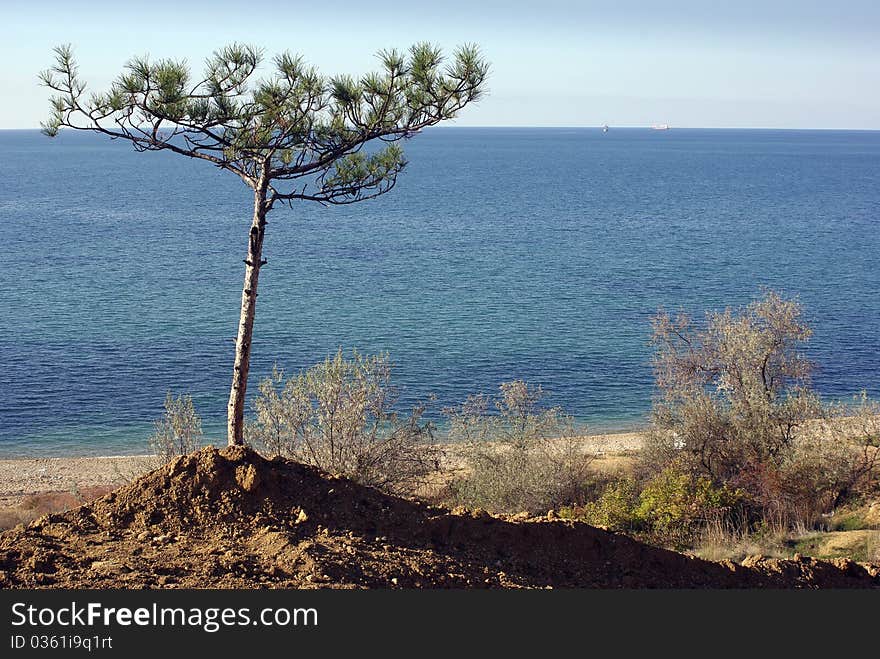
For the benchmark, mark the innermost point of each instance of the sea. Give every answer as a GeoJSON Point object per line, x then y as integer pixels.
{"type": "Point", "coordinates": [502, 253]}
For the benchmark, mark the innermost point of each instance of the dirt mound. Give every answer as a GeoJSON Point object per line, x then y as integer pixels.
{"type": "Point", "coordinates": [232, 519]}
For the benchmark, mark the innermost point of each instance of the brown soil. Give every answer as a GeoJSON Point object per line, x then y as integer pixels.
{"type": "Point", "coordinates": [232, 519]}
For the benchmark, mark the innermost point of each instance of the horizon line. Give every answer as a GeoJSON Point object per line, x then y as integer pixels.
{"type": "Point", "coordinates": [599, 126]}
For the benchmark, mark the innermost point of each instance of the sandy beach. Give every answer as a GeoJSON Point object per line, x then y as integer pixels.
{"type": "Point", "coordinates": [22, 477]}
{"type": "Point", "coordinates": [25, 477]}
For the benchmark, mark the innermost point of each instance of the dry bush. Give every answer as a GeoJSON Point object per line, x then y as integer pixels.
{"type": "Point", "coordinates": [734, 393]}
{"type": "Point", "coordinates": [44, 503]}
{"type": "Point", "coordinates": [521, 456]}
{"type": "Point", "coordinates": [735, 404]}
{"type": "Point", "coordinates": [178, 432]}
{"type": "Point", "coordinates": [12, 517]}
{"type": "Point", "coordinates": [339, 416]}
{"type": "Point", "coordinates": [838, 459]}
{"type": "Point", "coordinates": [732, 396]}
{"type": "Point", "coordinates": [854, 429]}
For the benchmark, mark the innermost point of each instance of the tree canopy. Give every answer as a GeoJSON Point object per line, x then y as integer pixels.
{"type": "Point", "coordinates": [300, 131]}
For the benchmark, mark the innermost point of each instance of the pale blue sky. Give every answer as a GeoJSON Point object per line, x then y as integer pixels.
{"type": "Point", "coordinates": [783, 63]}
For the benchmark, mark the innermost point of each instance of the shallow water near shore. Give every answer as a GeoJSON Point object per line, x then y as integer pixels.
{"type": "Point", "coordinates": [503, 253]}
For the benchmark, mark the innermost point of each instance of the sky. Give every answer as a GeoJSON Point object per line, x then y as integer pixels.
{"type": "Point", "coordinates": [686, 63]}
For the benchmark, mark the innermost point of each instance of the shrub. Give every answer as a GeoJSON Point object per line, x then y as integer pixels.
{"type": "Point", "coordinates": [835, 461]}
{"type": "Point", "coordinates": [614, 509]}
{"type": "Point", "coordinates": [178, 432]}
{"type": "Point", "coordinates": [852, 438]}
{"type": "Point", "coordinates": [339, 417]}
{"type": "Point", "coordinates": [521, 455]}
{"type": "Point", "coordinates": [735, 404]}
{"type": "Point", "coordinates": [673, 508]}
{"type": "Point", "coordinates": [735, 393]}
{"type": "Point", "coordinates": [677, 505]}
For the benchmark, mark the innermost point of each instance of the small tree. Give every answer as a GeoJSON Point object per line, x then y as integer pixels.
{"type": "Point", "coordinates": [293, 136]}
{"type": "Point", "coordinates": [735, 404]}
{"type": "Point", "coordinates": [339, 416]}
{"type": "Point", "coordinates": [179, 431]}
{"type": "Point", "coordinates": [732, 396]}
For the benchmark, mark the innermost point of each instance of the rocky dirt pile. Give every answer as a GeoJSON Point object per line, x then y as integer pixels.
{"type": "Point", "coordinates": [232, 519]}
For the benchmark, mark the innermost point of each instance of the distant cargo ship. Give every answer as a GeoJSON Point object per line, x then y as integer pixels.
{"type": "Point", "coordinates": [660, 126]}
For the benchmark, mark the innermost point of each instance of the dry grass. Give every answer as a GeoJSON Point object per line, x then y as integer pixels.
{"type": "Point", "coordinates": [720, 542]}
{"type": "Point", "coordinates": [861, 545]}
{"type": "Point", "coordinates": [614, 464]}
{"type": "Point", "coordinates": [723, 541]}
{"type": "Point", "coordinates": [45, 503]}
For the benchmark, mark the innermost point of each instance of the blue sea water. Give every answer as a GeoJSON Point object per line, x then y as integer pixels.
{"type": "Point", "coordinates": [502, 253]}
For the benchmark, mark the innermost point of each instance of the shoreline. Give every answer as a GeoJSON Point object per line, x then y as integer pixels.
{"type": "Point", "coordinates": [28, 476]}
{"type": "Point", "coordinates": [25, 477]}
{"type": "Point", "coordinates": [37, 449]}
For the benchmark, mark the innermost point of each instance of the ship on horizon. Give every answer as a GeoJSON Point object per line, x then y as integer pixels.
{"type": "Point", "coordinates": [660, 127]}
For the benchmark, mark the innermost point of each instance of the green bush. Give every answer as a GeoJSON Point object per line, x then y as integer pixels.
{"type": "Point", "coordinates": [672, 508]}
{"type": "Point", "coordinates": [615, 509]}
{"type": "Point", "coordinates": [676, 505]}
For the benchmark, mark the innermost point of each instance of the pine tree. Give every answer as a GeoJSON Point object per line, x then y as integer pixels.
{"type": "Point", "coordinates": [295, 135]}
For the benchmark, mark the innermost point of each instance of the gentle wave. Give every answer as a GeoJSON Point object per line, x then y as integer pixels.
{"type": "Point", "coordinates": [531, 253]}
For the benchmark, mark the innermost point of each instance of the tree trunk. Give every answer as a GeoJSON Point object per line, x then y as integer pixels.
{"type": "Point", "coordinates": [253, 263]}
